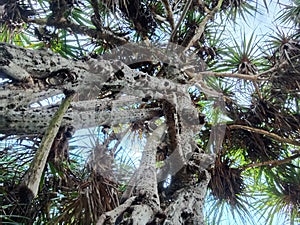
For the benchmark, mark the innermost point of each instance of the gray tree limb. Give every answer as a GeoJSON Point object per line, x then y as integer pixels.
{"type": "Point", "coordinates": [143, 185]}
{"type": "Point", "coordinates": [188, 206]}
{"type": "Point", "coordinates": [33, 175]}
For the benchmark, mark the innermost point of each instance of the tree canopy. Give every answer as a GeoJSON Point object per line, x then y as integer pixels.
{"type": "Point", "coordinates": [149, 112]}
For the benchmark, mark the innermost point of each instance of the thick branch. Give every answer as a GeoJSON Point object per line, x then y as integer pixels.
{"type": "Point", "coordinates": [92, 75]}
{"type": "Point", "coordinates": [51, 71]}
{"type": "Point", "coordinates": [268, 134]}
{"type": "Point", "coordinates": [33, 176]}
{"type": "Point", "coordinates": [82, 115]}
{"type": "Point", "coordinates": [37, 64]}
{"type": "Point", "coordinates": [104, 34]}
{"type": "Point", "coordinates": [114, 214]}
{"type": "Point", "coordinates": [188, 206]}
{"type": "Point", "coordinates": [143, 185]}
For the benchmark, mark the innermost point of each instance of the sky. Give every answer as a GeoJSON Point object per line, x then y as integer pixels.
{"type": "Point", "coordinates": [263, 24]}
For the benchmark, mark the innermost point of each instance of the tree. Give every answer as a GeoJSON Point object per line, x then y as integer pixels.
{"type": "Point", "coordinates": [216, 119]}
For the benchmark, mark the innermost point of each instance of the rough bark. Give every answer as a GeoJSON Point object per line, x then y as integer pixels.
{"type": "Point", "coordinates": [41, 72]}
{"type": "Point", "coordinates": [32, 178]}
{"type": "Point", "coordinates": [39, 75]}
{"type": "Point", "coordinates": [36, 120]}
{"type": "Point", "coordinates": [187, 207]}
{"type": "Point", "coordinates": [144, 206]}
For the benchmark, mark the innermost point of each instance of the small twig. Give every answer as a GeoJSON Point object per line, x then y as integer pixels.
{"type": "Point", "coordinates": [158, 17]}
{"type": "Point", "coordinates": [269, 134]}
{"type": "Point", "coordinates": [184, 12]}
{"type": "Point", "coordinates": [96, 18]}
{"type": "Point", "coordinates": [271, 163]}
{"type": "Point", "coordinates": [274, 68]}
{"type": "Point", "coordinates": [199, 31]}
{"type": "Point", "coordinates": [95, 5]}
{"type": "Point", "coordinates": [256, 77]}
{"type": "Point", "coordinates": [233, 75]}
{"type": "Point", "coordinates": [169, 13]}
{"type": "Point", "coordinates": [257, 90]}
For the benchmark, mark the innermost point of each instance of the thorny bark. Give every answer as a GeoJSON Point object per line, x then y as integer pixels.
{"type": "Point", "coordinates": [38, 75]}
{"type": "Point", "coordinates": [32, 178]}
{"type": "Point", "coordinates": [35, 121]}
{"type": "Point", "coordinates": [146, 207]}
{"type": "Point", "coordinates": [187, 207]}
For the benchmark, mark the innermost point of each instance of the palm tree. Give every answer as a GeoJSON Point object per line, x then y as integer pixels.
{"type": "Point", "coordinates": [147, 112]}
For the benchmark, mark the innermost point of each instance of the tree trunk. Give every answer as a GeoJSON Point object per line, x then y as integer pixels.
{"type": "Point", "coordinates": [144, 207]}
{"type": "Point", "coordinates": [40, 75]}
{"type": "Point", "coordinates": [187, 207]}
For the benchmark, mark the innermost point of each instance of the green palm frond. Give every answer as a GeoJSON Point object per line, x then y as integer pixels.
{"type": "Point", "coordinates": [80, 17]}
{"type": "Point", "coordinates": [290, 13]}
{"type": "Point", "coordinates": [285, 47]}
{"type": "Point", "coordinates": [239, 8]}
{"type": "Point", "coordinates": [221, 212]}
{"type": "Point", "coordinates": [16, 153]}
{"type": "Point", "coordinates": [221, 85]}
{"type": "Point", "coordinates": [241, 57]}
{"type": "Point", "coordinates": [278, 194]}
{"type": "Point", "coordinates": [227, 197]}
{"type": "Point", "coordinates": [214, 41]}
{"type": "Point", "coordinates": [14, 35]}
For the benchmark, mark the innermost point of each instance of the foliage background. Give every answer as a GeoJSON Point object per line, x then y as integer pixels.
{"type": "Point", "coordinates": [255, 176]}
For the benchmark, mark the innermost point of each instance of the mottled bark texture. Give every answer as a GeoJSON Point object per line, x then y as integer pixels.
{"type": "Point", "coordinates": [102, 88]}
{"type": "Point", "coordinates": [33, 176]}
{"type": "Point", "coordinates": [145, 208]}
